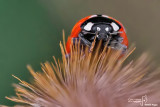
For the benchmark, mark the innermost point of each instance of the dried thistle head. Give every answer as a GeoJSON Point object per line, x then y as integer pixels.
{"type": "Point", "coordinates": [90, 79]}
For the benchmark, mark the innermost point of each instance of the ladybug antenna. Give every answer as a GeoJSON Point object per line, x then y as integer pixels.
{"type": "Point", "coordinates": [110, 37]}
{"type": "Point", "coordinates": [113, 33]}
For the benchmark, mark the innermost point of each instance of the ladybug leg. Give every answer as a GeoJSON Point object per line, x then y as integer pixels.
{"type": "Point", "coordinates": [117, 44]}
{"type": "Point", "coordinates": [75, 40]}
{"type": "Point", "coordinates": [84, 41]}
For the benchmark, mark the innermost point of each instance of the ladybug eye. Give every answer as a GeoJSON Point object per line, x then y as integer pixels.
{"type": "Point", "coordinates": [107, 29]}
{"type": "Point", "coordinates": [98, 28]}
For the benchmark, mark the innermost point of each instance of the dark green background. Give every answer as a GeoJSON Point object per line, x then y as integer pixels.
{"type": "Point", "coordinates": [30, 31]}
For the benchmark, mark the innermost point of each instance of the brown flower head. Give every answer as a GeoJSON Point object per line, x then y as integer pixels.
{"type": "Point", "coordinates": [87, 78]}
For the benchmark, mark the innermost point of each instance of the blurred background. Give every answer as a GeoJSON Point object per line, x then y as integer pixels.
{"type": "Point", "coordinates": [30, 31]}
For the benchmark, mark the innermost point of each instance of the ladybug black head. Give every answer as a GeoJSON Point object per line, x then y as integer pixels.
{"type": "Point", "coordinates": [102, 30]}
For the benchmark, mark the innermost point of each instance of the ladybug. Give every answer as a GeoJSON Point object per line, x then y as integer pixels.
{"type": "Point", "coordinates": [101, 27]}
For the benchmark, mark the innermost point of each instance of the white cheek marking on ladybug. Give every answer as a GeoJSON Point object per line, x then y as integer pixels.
{"type": "Point", "coordinates": [115, 26]}
{"type": "Point", "coordinates": [98, 28]}
{"type": "Point", "coordinates": [88, 26]}
{"type": "Point", "coordinates": [107, 29]}
{"type": "Point", "coordinates": [93, 16]}
{"type": "Point", "coordinates": [105, 16]}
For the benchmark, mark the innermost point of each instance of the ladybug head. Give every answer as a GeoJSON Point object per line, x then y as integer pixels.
{"type": "Point", "coordinates": [99, 27]}
{"type": "Point", "coordinates": [101, 30]}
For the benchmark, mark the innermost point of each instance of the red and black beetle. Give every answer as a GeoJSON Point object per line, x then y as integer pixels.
{"type": "Point", "coordinates": [102, 27]}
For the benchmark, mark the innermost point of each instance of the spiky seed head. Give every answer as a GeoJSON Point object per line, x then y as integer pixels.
{"type": "Point", "coordinates": [90, 79]}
